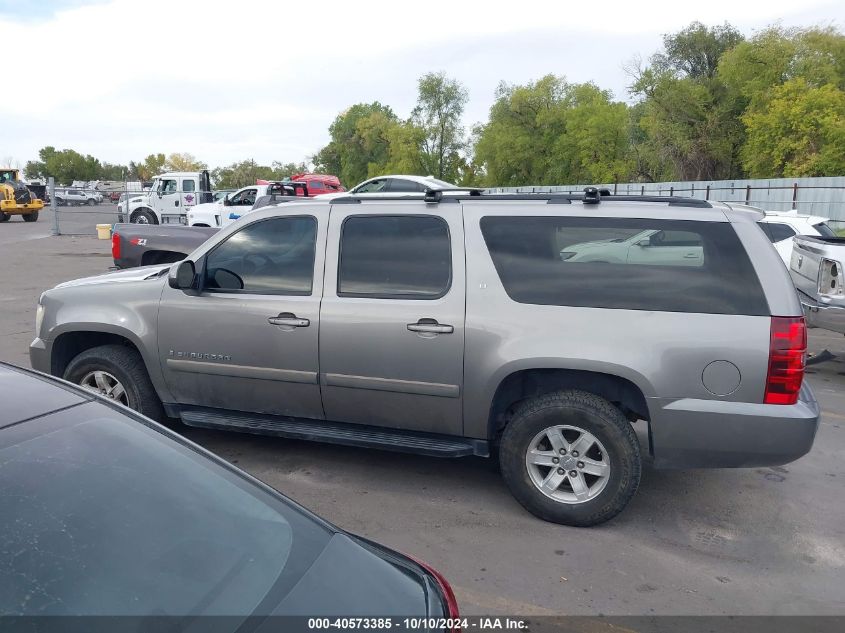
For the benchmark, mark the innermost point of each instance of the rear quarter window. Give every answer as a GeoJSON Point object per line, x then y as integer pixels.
{"type": "Point", "coordinates": [631, 263]}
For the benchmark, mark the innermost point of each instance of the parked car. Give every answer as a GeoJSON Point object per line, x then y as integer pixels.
{"type": "Point", "coordinates": [106, 513]}
{"type": "Point", "coordinates": [449, 325]}
{"type": "Point", "coordinates": [781, 226]}
{"type": "Point", "coordinates": [236, 204]}
{"type": "Point", "coordinates": [146, 244]}
{"type": "Point", "coordinates": [818, 271]}
{"type": "Point", "coordinates": [135, 245]}
{"type": "Point", "coordinates": [70, 197]}
{"type": "Point", "coordinates": [93, 197]}
{"type": "Point", "coordinates": [407, 184]}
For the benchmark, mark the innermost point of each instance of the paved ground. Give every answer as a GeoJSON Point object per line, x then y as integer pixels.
{"type": "Point", "coordinates": [760, 541]}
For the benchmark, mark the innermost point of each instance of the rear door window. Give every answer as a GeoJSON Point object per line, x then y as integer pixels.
{"type": "Point", "coordinates": [395, 257]}
{"type": "Point", "coordinates": [632, 264]}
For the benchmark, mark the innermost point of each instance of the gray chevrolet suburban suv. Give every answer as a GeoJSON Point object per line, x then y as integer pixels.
{"type": "Point", "coordinates": [533, 327]}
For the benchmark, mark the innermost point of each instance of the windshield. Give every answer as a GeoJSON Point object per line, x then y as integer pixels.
{"type": "Point", "coordinates": [824, 230]}
{"type": "Point", "coordinates": [110, 517]}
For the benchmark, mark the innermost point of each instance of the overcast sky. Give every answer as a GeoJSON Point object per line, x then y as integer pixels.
{"type": "Point", "coordinates": [241, 79]}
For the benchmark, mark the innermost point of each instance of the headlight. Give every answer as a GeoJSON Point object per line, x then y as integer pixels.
{"type": "Point", "coordinates": [39, 317]}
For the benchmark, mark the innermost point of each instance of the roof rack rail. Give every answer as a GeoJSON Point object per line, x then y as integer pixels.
{"type": "Point", "coordinates": [591, 196]}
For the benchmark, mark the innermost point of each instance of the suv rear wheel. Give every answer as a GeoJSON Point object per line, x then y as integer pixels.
{"type": "Point", "coordinates": [571, 457]}
{"type": "Point", "coordinates": [116, 372]}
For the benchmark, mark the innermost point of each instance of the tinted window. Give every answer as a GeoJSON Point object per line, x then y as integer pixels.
{"type": "Point", "coordinates": [636, 264]}
{"type": "Point", "coordinates": [105, 516]}
{"type": "Point", "coordinates": [245, 197]}
{"type": "Point", "coordinates": [395, 257]}
{"type": "Point", "coordinates": [188, 185]}
{"type": "Point", "coordinates": [372, 187]}
{"type": "Point", "coordinates": [824, 230]}
{"type": "Point", "coordinates": [273, 256]}
{"type": "Point", "coordinates": [780, 232]}
{"type": "Point", "coordinates": [402, 185]}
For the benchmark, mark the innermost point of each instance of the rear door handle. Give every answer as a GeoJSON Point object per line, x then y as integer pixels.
{"type": "Point", "coordinates": [430, 326]}
{"type": "Point", "coordinates": [691, 256]}
{"type": "Point", "coordinates": [289, 319]}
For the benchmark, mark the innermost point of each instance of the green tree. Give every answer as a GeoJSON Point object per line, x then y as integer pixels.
{"type": "Point", "coordinates": [552, 132]}
{"type": "Point", "coordinates": [695, 51]}
{"type": "Point", "coordinates": [440, 106]}
{"type": "Point", "coordinates": [358, 143]}
{"type": "Point", "coordinates": [246, 172]}
{"type": "Point", "coordinates": [183, 161]}
{"type": "Point", "coordinates": [64, 165]}
{"type": "Point", "coordinates": [689, 119]}
{"type": "Point", "coordinates": [800, 132]}
{"type": "Point", "coordinates": [147, 169]}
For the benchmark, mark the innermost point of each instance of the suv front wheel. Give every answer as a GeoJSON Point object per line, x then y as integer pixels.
{"type": "Point", "coordinates": [571, 457]}
{"type": "Point", "coordinates": [116, 372]}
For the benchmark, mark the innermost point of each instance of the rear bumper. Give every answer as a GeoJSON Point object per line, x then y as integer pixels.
{"type": "Point", "coordinates": [829, 315]}
{"type": "Point", "coordinates": [691, 433]}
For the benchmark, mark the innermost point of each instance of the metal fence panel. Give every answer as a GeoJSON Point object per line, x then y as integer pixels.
{"type": "Point", "coordinates": [817, 196]}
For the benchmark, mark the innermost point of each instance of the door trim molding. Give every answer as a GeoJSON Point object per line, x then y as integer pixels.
{"type": "Point", "coordinates": [243, 371]}
{"type": "Point", "coordinates": [390, 384]}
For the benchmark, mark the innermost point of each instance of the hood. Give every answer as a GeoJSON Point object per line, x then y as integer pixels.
{"type": "Point", "coordinates": [121, 276]}
{"type": "Point", "coordinates": [350, 579]}
{"type": "Point", "coordinates": [205, 207]}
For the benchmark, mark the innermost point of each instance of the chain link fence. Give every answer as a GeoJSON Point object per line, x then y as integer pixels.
{"type": "Point", "coordinates": [78, 210]}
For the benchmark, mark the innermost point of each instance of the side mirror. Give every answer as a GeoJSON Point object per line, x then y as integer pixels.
{"type": "Point", "coordinates": [226, 201]}
{"type": "Point", "coordinates": [184, 276]}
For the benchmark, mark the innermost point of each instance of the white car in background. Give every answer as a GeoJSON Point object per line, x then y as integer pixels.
{"type": "Point", "coordinates": [682, 248]}
{"type": "Point", "coordinates": [781, 226]}
{"type": "Point", "coordinates": [392, 185]}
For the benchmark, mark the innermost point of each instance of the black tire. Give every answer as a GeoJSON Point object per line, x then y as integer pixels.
{"type": "Point", "coordinates": [30, 217]}
{"type": "Point", "coordinates": [60, 202]}
{"type": "Point", "coordinates": [4, 217]}
{"type": "Point", "coordinates": [596, 416]}
{"type": "Point", "coordinates": [127, 366]}
{"type": "Point", "coordinates": [91, 202]}
{"type": "Point", "coordinates": [149, 216]}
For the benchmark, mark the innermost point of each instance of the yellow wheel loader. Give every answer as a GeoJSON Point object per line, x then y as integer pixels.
{"type": "Point", "coordinates": [16, 198]}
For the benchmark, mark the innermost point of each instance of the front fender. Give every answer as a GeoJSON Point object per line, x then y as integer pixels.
{"type": "Point", "coordinates": [128, 310]}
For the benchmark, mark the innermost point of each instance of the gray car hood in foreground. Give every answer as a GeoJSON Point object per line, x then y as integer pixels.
{"type": "Point", "coordinates": [121, 276]}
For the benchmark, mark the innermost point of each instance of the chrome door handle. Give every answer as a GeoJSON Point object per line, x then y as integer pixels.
{"type": "Point", "coordinates": [289, 319]}
{"type": "Point", "coordinates": [691, 256]}
{"type": "Point", "coordinates": [430, 326]}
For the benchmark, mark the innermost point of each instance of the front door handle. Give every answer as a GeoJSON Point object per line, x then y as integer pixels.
{"type": "Point", "coordinates": [175, 203]}
{"type": "Point", "coordinates": [430, 326]}
{"type": "Point", "coordinates": [289, 319]}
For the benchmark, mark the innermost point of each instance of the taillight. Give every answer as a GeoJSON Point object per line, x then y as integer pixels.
{"type": "Point", "coordinates": [445, 589]}
{"type": "Point", "coordinates": [787, 358]}
{"type": "Point", "coordinates": [115, 246]}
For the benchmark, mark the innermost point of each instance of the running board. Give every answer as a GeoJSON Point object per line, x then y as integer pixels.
{"type": "Point", "coordinates": [336, 433]}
